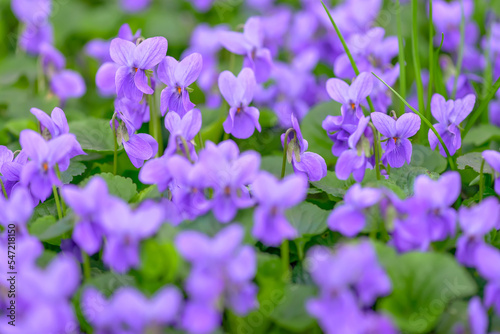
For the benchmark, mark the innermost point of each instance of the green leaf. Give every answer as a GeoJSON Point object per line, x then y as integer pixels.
{"type": "Point", "coordinates": [291, 313]}
{"type": "Point", "coordinates": [274, 163]}
{"type": "Point", "coordinates": [313, 132]}
{"type": "Point", "coordinates": [308, 219]}
{"type": "Point", "coordinates": [47, 229]}
{"type": "Point", "coordinates": [423, 156]}
{"type": "Point", "coordinates": [423, 284]}
{"type": "Point", "coordinates": [481, 134]}
{"type": "Point", "coordinates": [474, 161]}
{"type": "Point", "coordinates": [75, 169]}
{"type": "Point", "coordinates": [150, 192]}
{"type": "Point", "coordinates": [159, 264]}
{"type": "Point", "coordinates": [44, 209]}
{"type": "Point", "coordinates": [16, 65]}
{"type": "Point", "coordinates": [404, 177]}
{"type": "Point", "coordinates": [94, 135]}
{"type": "Point", "coordinates": [108, 282]}
{"type": "Point", "coordinates": [332, 185]}
{"type": "Point", "coordinates": [119, 186]}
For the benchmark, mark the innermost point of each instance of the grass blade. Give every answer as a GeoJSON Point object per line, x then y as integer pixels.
{"type": "Point", "coordinates": [401, 59]}
{"type": "Point", "coordinates": [416, 59]}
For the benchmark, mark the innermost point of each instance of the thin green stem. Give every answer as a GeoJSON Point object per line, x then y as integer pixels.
{"type": "Point", "coordinates": [401, 58]}
{"type": "Point", "coordinates": [226, 136]}
{"type": "Point", "coordinates": [158, 125]}
{"type": "Point", "coordinates": [3, 189]}
{"type": "Point", "coordinates": [285, 259]}
{"type": "Point", "coordinates": [63, 205]}
{"type": "Point", "coordinates": [460, 49]}
{"type": "Point", "coordinates": [376, 147]}
{"type": "Point", "coordinates": [202, 145]}
{"type": "Point", "coordinates": [58, 204]}
{"type": "Point", "coordinates": [153, 128]}
{"type": "Point", "coordinates": [481, 181]}
{"type": "Point", "coordinates": [285, 151]}
{"type": "Point", "coordinates": [416, 58]}
{"type": "Point", "coordinates": [482, 107]}
{"type": "Point", "coordinates": [347, 51]}
{"type": "Point", "coordinates": [186, 148]}
{"type": "Point", "coordinates": [115, 153]}
{"type": "Point", "coordinates": [438, 79]}
{"type": "Point", "coordinates": [86, 265]}
{"type": "Point", "coordinates": [431, 67]}
{"type": "Point", "coordinates": [426, 121]}
{"type": "Point", "coordinates": [40, 77]}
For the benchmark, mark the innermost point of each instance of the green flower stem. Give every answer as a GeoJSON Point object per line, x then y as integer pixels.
{"type": "Point", "coordinates": [40, 77]}
{"type": "Point", "coordinates": [159, 127]}
{"type": "Point", "coordinates": [482, 107]}
{"type": "Point", "coordinates": [153, 128]}
{"type": "Point", "coordinates": [285, 149]}
{"type": "Point", "coordinates": [115, 152]}
{"type": "Point", "coordinates": [186, 149]}
{"type": "Point", "coordinates": [436, 72]}
{"type": "Point", "coordinates": [416, 59]}
{"type": "Point", "coordinates": [377, 149]}
{"type": "Point", "coordinates": [460, 49]}
{"type": "Point", "coordinates": [58, 204]}
{"type": "Point", "coordinates": [426, 121]}
{"type": "Point", "coordinates": [285, 246]}
{"type": "Point", "coordinates": [401, 58]}
{"type": "Point", "coordinates": [431, 69]}
{"type": "Point", "coordinates": [202, 145]}
{"type": "Point", "coordinates": [481, 181]}
{"type": "Point", "coordinates": [86, 265]}
{"type": "Point", "coordinates": [63, 205]}
{"type": "Point", "coordinates": [3, 189]}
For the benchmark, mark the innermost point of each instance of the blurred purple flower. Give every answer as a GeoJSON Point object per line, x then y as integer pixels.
{"type": "Point", "coordinates": [52, 59]}
{"type": "Point", "coordinates": [493, 159]}
{"type": "Point", "coordinates": [34, 36]}
{"type": "Point", "coordinates": [134, 60]}
{"type": "Point", "coordinates": [32, 11]}
{"type": "Point", "coordinates": [478, 316]}
{"type": "Point", "coordinates": [398, 148]}
{"type": "Point", "coordinates": [134, 6]}
{"type": "Point", "coordinates": [308, 163]}
{"type": "Point", "coordinates": [17, 210]}
{"type": "Point", "coordinates": [238, 92]}
{"type": "Point", "coordinates": [449, 114]}
{"type": "Point", "coordinates": [67, 84]}
{"type": "Point", "coordinates": [274, 196]}
{"type": "Point", "coordinates": [178, 76]}
{"type": "Point", "coordinates": [487, 259]}
{"type": "Point", "coordinates": [250, 44]}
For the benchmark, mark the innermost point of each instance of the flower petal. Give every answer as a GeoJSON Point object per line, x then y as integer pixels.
{"type": "Point", "coordinates": [189, 69]}
{"type": "Point", "coordinates": [361, 87]}
{"type": "Point", "coordinates": [338, 90]}
{"type": "Point", "coordinates": [141, 82]}
{"type": "Point", "coordinates": [150, 52]}
{"type": "Point", "coordinates": [385, 124]}
{"type": "Point", "coordinates": [407, 125]}
{"type": "Point", "coordinates": [235, 42]}
{"type": "Point", "coordinates": [166, 70]}
{"type": "Point", "coordinates": [122, 52]}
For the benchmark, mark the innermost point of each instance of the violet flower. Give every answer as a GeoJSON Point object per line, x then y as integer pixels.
{"type": "Point", "coordinates": [476, 222]}
{"type": "Point", "coordinates": [134, 6]}
{"type": "Point", "coordinates": [308, 163]}
{"type": "Point", "coordinates": [273, 196]}
{"type": "Point", "coordinates": [250, 44]}
{"type": "Point", "coordinates": [88, 204]}
{"type": "Point", "coordinates": [39, 173]}
{"type": "Point", "coordinates": [340, 128]}
{"type": "Point", "coordinates": [34, 36]}
{"type": "Point", "coordinates": [17, 210]}
{"type": "Point", "coordinates": [185, 127]}
{"type": "Point", "coordinates": [486, 259]}
{"type": "Point", "coordinates": [447, 17]}
{"type": "Point", "coordinates": [350, 218]}
{"type": "Point", "coordinates": [32, 11]}
{"type": "Point", "coordinates": [355, 160]}
{"type": "Point", "coordinates": [449, 114]}
{"type": "Point", "coordinates": [67, 84]}
{"type": "Point", "coordinates": [238, 92]}
{"type": "Point", "coordinates": [477, 316]}
{"type": "Point", "coordinates": [11, 170]}
{"type": "Point", "coordinates": [230, 173]}
{"type": "Point", "coordinates": [124, 229]}
{"type": "Point", "coordinates": [178, 76]}
{"type": "Point", "coordinates": [398, 148]}
{"type": "Point", "coordinates": [493, 159]}
{"type": "Point", "coordinates": [351, 96]}
{"type": "Point", "coordinates": [134, 60]}
{"type": "Point", "coordinates": [221, 275]}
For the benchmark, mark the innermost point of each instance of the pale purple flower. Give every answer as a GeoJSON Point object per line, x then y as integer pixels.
{"type": "Point", "coordinates": [250, 44]}
{"type": "Point", "coordinates": [355, 160]}
{"type": "Point", "coordinates": [34, 36]}
{"type": "Point", "coordinates": [134, 60]}
{"type": "Point", "coordinates": [67, 84]}
{"type": "Point", "coordinates": [238, 92]}
{"type": "Point", "coordinates": [398, 148]}
{"type": "Point", "coordinates": [32, 11]}
{"type": "Point", "coordinates": [11, 169]}
{"type": "Point", "coordinates": [478, 316]}
{"type": "Point", "coordinates": [475, 222]}
{"type": "Point", "coordinates": [134, 6]}
{"type": "Point", "coordinates": [487, 260]}
{"type": "Point", "coordinates": [449, 114]}
{"type": "Point", "coordinates": [308, 163]}
{"type": "Point", "coordinates": [493, 159]}
{"type": "Point", "coordinates": [351, 96]}
{"type": "Point", "coordinates": [39, 173]}
{"type": "Point", "coordinates": [340, 128]}
{"type": "Point", "coordinates": [178, 76]}
{"type": "Point", "coordinates": [134, 112]}
{"type": "Point", "coordinates": [182, 127]}
{"type": "Point", "coordinates": [17, 210]}
{"type": "Point", "coordinates": [274, 196]}
{"type": "Point", "coordinates": [350, 218]}
{"type": "Point", "coordinates": [52, 59]}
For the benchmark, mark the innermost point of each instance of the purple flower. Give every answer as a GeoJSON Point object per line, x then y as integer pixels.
{"type": "Point", "coordinates": [11, 169]}
{"type": "Point", "coordinates": [221, 275]}
{"type": "Point", "coordinates": [34, 36]}
{"type": "Point", "coordinates": [355, 159]}
{"type": "Point", "coordinates": [478, 317]}
{"type": "Point", "coordinates": [398, 148]}
{"type": "Point", "coordinates": [250, 44]}
{"type": "Point", "coordinates": [134, 112]}
{"type": "Point", "coordinates": [308, 163]}
{"type": "Point", "coordinates": [447, 17]}
{"type": "Point", "coordinates": [16, 210]}
{"type": "Point", "coordinates": [88, 204]}
{"type": "Point", "coordinates": [39, 173]}
{"type": "Point", "coordinates": [449, 114]}
{"type": "Point", "coordinates": [487, 260]}
{"type": "Point", "coordinates": [52, 59]}
{"type": "Point", "coordinates": [475, 222]}
{"type": "Point", "coordinates": [130, 309]}
{"type": "Point", "coordinates": [350, 218]}
{"type": "Point", "coordinates": [67, 84]}
{"type": "Point", "coordinates": [178, 76]}
{"type": "Point", "coordinates": [238, 92]}
{"type": "Point", "coordinates": [270, 224]}
{"type": "Point", "coordinates": [340, 128]}
{"type": "Point", "coordinates": [351, 96]}
{"type": "Point", "coordinates": [131, 79]}
{"type": "Point", "coordinates": [124, 229]}
{"type": "Point", "coordinates": [32, 11]}
{"type": "Point", "coordinates": [185, 127]}
{"type": "Point", "coordinates": [493, 159]}
{"type": "Point", "coordinates": [134, 6]}
{"type": "Point", "coordinates": [155, 171]}
{"type": "Point", "coordinates": [230, 173]}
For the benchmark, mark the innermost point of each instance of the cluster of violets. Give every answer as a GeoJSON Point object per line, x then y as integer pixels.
{"type": "Point", "coordinates": [196, 179]}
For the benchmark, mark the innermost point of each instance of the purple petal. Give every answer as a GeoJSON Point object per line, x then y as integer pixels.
{"type": "Point", "coordinates": [230, 89]}
{"type": "Point", "coordinates": [247, 80]}
{"type": "Point", "coordinates": [33, 145]}
{"type": "Point", "coordinates": [462, 109]}
{"type": "Point", "coordinates": [313, 165]}
{"type": "Point", "coordinates": [138, 148]}
{"type": "Point", "coordinates": [493, 159]}
{"type": "Point", "coordinates": [44, 120]}
{"type": "Point", "coordinates": [60, 120]}
{"type": "Point", "coordinates": [122, 52]}
{"type": "Point", "coordinates": [67, 84]}
{"type": "Point", "coordinates": [348, 161]}
{"type": "Point", "coordinates": [150, 52]}
{"type": "Point", "coordinates": [86, 237]}
{"type": "Point", "coordinates": [407, 125]}
{"type": "Point", "coordinates": [346, 220]}
{"type": "Point", "coordinates": [235, 42]}
{"type": "Point", "coordinates": [192, 245]}
{"type": "Point", "coordinates": [478, 318]}
{"type": "Point", "coordinates": [189, 69]}
{"type": "Point", "coordinates": [485, 256]}
{"type": "Point", "coordinates": [385, 124]}
{"type": "Point", "coordinates": [244, 122]}
{"type": "Point", "coordinates": [401, 153]}
{"type": "Point", "coordinates": [125, 85]}
{"type": "Point", "coordinates": [338, 90]}
{"type": "Point", "coordinates": [60, 147]}
{"type": "Point", "coordinates": [191, 124]}
{"type": "Point", "coordinates": [173, 122]}
{"type": "Point", "coordinates": [141, 82]}
{"type": "Point", "coordinates": [439, 108]}
{"type": "Point", "coordinates": [253, 32]}
{"type": "Point", "coordinates": [361, 87]}
{"type": "Point", "coordinates": [105, 78]}
{"type": "Point", "coordinates": [166, 70]}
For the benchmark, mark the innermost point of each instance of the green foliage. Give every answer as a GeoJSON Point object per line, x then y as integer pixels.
{"type": "Point", "coordinates": [119, 186]}
{"type": "Point", "coordinates": [94, 135]}
{"type": "Point", "coordinates": [291, 313]}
